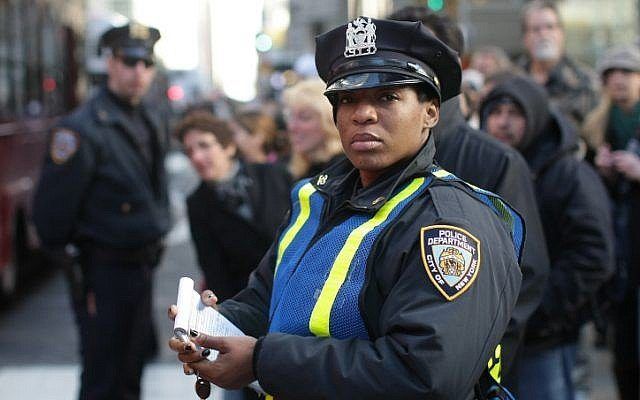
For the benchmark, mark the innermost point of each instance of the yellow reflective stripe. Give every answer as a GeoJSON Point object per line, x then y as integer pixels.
{"type": "Point", "coordinates": [268, 397]}
{"type": "Point", "coordinates": [304, 195]}
{"type": "Point", "coordinates": [495, 364]}
{"type": "Point", "coordinates": [319, 321]}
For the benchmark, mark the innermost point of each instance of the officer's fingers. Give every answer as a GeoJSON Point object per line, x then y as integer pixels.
{"type": "Point", "coordinates": [212, 342]}
{"type": "Point", "coordinates": [194, 356]}
{"type": "Point", "coordinates": [209, 299]}
{"type": "Point", "coordinates": [172, 312]}
{"type": "Point", "coordinates": [179, 346]}
{"type": "Point", "coordinates": [206, 369]}
{"type": "Point", "coordinates": [187, 369]}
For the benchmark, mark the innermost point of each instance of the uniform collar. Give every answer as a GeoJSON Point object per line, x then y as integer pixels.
{"type": "Point", "coordinates": [109, 109]}
{"type": "Point", "coordinates": [340, 180]}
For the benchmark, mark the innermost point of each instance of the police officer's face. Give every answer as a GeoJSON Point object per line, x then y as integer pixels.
{"type": "Point", "coordinates": [210, 159]}
{"type": "Point", "coordinates": [543, 36]}
{"type": "Point", "coordinates": [380, 127]}
{"type": "Point", "coordinates": [507, 124]}
{"type": "Point", "coordinates": [129, 79]}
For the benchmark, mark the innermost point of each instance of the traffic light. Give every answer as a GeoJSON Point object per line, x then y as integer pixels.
{"type": "Point", "coordinates": [435, 5]}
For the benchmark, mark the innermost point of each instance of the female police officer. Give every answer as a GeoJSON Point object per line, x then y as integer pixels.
{"type": "Point", "coordinates": [391, 278]}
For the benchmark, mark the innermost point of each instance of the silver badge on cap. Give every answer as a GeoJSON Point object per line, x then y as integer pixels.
{"type": "Point", "coordinates": [361, 38]}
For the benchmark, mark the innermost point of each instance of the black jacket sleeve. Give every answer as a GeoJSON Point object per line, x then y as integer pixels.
{"type": "Point", "coordinates": [58, 199]}
{"type": "Point", "coordinates": [477, 158]}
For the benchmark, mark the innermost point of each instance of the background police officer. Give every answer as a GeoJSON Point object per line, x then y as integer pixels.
{"type": "Point", "coordinates": [391, 277]}
{"type": "Point", "coordinates": [103, 189]}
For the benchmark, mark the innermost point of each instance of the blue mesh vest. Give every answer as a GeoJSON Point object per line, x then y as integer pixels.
{"type": "Point", "coordinates": [318, 280]}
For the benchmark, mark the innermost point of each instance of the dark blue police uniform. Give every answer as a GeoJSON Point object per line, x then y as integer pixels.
{"type": "Point", "coordinates": [103, 189]}
{"type": "Point", "coordinates": [401, 289]}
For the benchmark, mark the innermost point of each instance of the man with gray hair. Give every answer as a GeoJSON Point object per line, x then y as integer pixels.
{"type": "Point", "coordinates": [572, 87]}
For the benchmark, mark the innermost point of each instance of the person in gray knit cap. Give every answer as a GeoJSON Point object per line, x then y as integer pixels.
{"type": "Point", "coordinates": [612, 133]}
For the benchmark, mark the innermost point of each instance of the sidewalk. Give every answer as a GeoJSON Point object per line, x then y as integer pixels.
{"type": "Point", "coordinates": [161, 381]}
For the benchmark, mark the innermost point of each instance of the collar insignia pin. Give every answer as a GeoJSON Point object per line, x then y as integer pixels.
{"type": "Point", "coordinates": [322, 179]}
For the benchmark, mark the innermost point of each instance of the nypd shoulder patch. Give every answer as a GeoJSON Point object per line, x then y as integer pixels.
{"type": "Point", "coordinates": [64, 144]}
{"type": "Point", "coordinates": [451, 257]}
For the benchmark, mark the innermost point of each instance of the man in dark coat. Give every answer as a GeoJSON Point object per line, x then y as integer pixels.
{"type": "Point", "coordinates": [479, 159]}
{"type": "Point", "coordinates": [103, 190]}
{"type": "Point", "coordinates": [577, 222]}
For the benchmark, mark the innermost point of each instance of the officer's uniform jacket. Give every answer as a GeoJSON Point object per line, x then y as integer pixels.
{"type": "Point", "coordinates": [96, 186]}
{"type": "Point", "coordinates": [381, 326]}
{"type": "Point", "coordinates": [481, 160]}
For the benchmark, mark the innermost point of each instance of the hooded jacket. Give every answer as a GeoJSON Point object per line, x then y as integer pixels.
{"type": "Point", "coordinates": [574, 209]}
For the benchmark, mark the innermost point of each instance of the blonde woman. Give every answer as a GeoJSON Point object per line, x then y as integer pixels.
{"type": "Point", "coordinates": [313, 136]}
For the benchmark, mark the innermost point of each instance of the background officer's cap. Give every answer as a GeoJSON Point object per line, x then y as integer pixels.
{"type": "Point", "coordinates": [368, 52]}
{"type": "Point", "coordinates": [132, 40]}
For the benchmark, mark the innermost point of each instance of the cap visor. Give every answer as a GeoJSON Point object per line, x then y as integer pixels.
{"type": "Point", "coordinates": [366, 80]}
{"type": "Point", "coordinates": [135, 52]}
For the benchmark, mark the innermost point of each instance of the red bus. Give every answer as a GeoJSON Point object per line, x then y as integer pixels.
{"type": "Point", "coordinates": [39, 43]}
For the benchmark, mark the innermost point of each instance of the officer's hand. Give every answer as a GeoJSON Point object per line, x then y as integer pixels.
{"type": "Point", "coordinates": [187, 349]}
{"type": "Point", "coordinates": [233, 369]}
{"type": "Point", "coordinates": [628, 164]}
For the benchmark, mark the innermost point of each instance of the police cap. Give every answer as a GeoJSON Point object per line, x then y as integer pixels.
{"type": "Point", "coordinates": [132, 40]}
{"type": "Point", "coordinates": [368, 52]}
